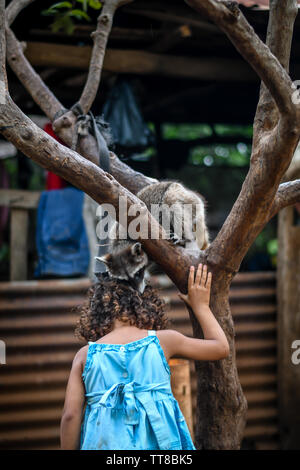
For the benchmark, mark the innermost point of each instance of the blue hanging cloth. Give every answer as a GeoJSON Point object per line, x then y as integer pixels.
{"type": "Point", "coordinates": [61, 238]}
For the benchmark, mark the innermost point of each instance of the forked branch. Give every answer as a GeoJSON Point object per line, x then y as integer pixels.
{"type": "Point", "coordinates": [267, 166]}
{"type": "Point", "coordinates": [50, 105]}
{"type": "Point", "coordinates": [100, 37]}
{"type": "Point", "coordinates": [101, 186]}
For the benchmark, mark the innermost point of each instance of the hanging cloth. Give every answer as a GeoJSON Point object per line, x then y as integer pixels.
{"type": "Point", "coordinates": [61, 239]}
{"type": "Point", "coordinates": [121, 110]}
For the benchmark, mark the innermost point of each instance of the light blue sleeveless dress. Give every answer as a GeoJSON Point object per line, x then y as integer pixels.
{"type": "Point", "coordinates": [129, 401]}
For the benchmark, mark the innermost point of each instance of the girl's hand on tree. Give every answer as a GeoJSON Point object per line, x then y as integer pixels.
{"type": "Point", "coordinates": [198, 288]}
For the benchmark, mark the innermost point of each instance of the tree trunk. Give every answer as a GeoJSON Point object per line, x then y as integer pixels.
{"type": "Point", "coordinates": [221, 404]}
{"type": "Point", "coordinates": [288, 301]}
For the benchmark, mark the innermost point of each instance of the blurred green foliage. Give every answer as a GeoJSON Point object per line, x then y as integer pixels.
{"type": "Point", "coordinates": [37, 178]}
{"type": "Point", "coordinates": [4, 257]}
{"type": "Point", "coordinates": [11, 167]}
{"type": "Point", "coordinates": [186, 131]}
{"type": "Point", "coordinates": [221, 154]}
{"type": "Point", "coordinates": [233, 130]}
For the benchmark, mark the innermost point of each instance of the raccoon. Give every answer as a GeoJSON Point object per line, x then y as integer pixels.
{"type": "Point", "coordinates": [193, 235]}
{"type": "Point", "coordinates": [126, 258]}
{"type": "Point", "coordinates": [127, 262]}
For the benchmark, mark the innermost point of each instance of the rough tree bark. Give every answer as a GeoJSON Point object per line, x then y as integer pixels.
{"type": "Point", "coordinates": [221, 403]}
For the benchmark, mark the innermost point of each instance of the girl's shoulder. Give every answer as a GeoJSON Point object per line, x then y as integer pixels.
{"type": "Point", "coordinates": [80, 356]}
{"type": "Point", "coordinates": [169, 340]}
{"type": "Point", "coordinates": [168, 335]}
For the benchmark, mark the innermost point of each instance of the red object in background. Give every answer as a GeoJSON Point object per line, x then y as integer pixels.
{"type": "Point", "coordinates": [53, 181]}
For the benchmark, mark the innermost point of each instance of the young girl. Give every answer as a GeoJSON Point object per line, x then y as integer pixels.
{"type": "Point", "coordinates": [123, 376]}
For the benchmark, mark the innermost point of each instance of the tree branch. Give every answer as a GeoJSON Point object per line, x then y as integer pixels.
{"type": "Point", "coordinates": [133, 180]}
{"type": "Point", "coordinates": [100, 37]}
{"type": "Point", "coordinates": [14, 9]}
{"type": "Point", "coordinates": [101, 186]}
{"type": "Point", "coordinates": [279, 39]}
{"type": "Point", "coordinates": [287, 195]}
{"type": "Point", "coordinates": [230, 20]}
{"type": "Point", "coordinates": [249, 214]}
{"type": "Point", "coordinates": [293, 171]}
{"type": "Point", "coordinates": [3, 76]}
{"type": "Point", "coordinates": [33, 83]}
{"type": "Point", "coordinates": [63, 126]}
{"type": "Point", "coordinates": [26, 74]}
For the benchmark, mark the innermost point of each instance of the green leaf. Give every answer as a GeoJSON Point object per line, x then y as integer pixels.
{"type": "Point", "coordinates": [79, 14]}
{"type": "Point", "coordinates": [57, 24]}
{"type": "Point", "coordinates": [95, 4]}
{"type": "Point", "coordinates": [64, 23]}
{"type": "Point", "coordinates": [62, 5]}
{"type": "Point", "coordinates": [69, 28]}
{"type": "Point", "coordinates": [49, 12]}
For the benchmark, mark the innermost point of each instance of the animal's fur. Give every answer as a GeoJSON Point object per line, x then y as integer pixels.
{"type": "Point", "coordinates": [126, 258]}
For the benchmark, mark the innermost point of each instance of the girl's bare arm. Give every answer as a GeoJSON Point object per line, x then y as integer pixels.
{"type": "Point", "coordinates": [74, 402]}
{"type": "Point", "coordinates": [214, 346]}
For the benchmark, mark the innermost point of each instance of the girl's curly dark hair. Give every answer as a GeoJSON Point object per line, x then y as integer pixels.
{"type": "Point", "coordinates": [110, 299]}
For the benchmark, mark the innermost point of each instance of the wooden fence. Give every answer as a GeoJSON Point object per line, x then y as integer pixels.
{"type": "Point", "coordinates": [37, 324]}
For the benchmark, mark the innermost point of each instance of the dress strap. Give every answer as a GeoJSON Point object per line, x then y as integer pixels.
{"type": "Point", "coordinates": [151, 332]}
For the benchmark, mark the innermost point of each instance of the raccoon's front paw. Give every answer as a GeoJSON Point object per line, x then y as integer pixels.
{"type": "Point", "coordinates": [176, 240]}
